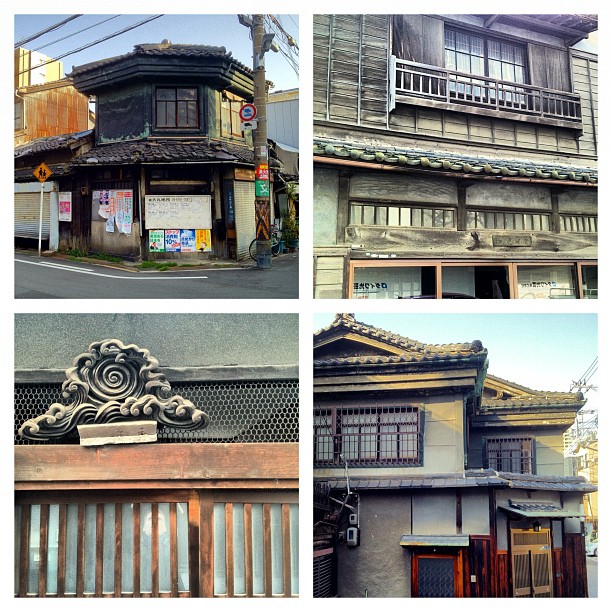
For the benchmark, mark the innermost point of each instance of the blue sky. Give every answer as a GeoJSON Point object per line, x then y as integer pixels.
{"type": "Point", "coordinates": [545, 352]}
{"type": "Point", "coordinates": [215, 30]}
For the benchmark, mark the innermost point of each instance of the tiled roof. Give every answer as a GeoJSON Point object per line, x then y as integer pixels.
{"type": "Point", "coordinates": [412, 351]}
{"type": "Point", "coordinates": [530, 398]}
{"type": "Point", "coordinates": [451, 162]}
{"type": "Point", "coordinates": [167, 150]}
{"type": "Point", "coordinates": [161, 50]}
{"type": "Point", "coordinates": [549, 483]}
{"type": "Point", "coordinates": [52, 143]}
{"type": "Point", "coordinates": [469, 478]}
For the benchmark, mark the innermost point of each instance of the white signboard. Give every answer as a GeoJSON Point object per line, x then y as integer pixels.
{"type": "Point", "coordinates": [173, 211]}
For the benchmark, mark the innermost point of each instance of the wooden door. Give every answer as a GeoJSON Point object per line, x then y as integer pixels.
{"type": "Point", "coordinates": [531, 563]}
{"type": "Point", "coordinates": [184, 543]}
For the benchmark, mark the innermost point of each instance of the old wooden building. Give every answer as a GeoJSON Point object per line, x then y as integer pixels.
{"type": "Point", "coordinates": [168, 172]}
{"type": "Point", "coordinates": [156, 474]}
{"type": "Point", "coordinates": [455, 156]}
{"type": "Point", "coordinates": [434, 478]}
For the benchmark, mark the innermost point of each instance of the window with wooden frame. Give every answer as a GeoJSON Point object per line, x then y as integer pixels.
{"type": "Point", "coordinates": [507, 220]}
{"type": "Point", "coordinates": [402, 216]}
{"type": "Point", "coordinates": [230, 117]}
{"type": "Point", "coordinates": [510, 454]}
{"type": "Point", "coordinates": [368, 435]}
{"type": "Point", "coordinates": [481, 56]}
{"type": "Point", "coordinates": [176, 107]}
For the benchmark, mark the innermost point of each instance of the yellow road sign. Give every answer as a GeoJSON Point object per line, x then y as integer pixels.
{"type": "Point", "coordinates": [42, 172]}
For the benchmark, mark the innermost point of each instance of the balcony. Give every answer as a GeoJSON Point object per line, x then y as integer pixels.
{"type": "Point", "coordinates": [425, 85]}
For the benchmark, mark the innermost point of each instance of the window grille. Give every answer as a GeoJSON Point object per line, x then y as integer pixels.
{"type": "Point", "coordinates": [380, 435]}
{"type": "Point", "coordinates": [510, 455]}
{"type": "Point", "coordinates": [506, 220]}
{"type": "Point", "coordinates": [402, 216]}
{"type": "Point", "coordinates": [582, 224]}
{"type": "Point", "coordinates": [239, 412]}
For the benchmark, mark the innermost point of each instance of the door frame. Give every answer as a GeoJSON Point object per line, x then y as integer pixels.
{"type": "Point", "coordinates": [457, 569]}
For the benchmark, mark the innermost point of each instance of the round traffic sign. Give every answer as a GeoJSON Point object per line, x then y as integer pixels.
{"type": "Point", "coordinates": [248, 112]}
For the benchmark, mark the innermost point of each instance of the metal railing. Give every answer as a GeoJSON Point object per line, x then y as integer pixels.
{"type": "Point", "coordinates": [411, 80]}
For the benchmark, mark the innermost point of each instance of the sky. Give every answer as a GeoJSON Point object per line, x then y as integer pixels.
{"type": "Point", "coordinates": [214, 30]}
{"type": "Point", "coordinates": [545, 352]}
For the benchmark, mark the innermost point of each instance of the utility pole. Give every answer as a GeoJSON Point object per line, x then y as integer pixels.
{"type": "Point", "coordinates": [261, 44]}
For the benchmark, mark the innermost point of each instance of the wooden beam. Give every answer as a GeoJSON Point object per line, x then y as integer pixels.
{"type": "Point", "coordinates": [145, 462]}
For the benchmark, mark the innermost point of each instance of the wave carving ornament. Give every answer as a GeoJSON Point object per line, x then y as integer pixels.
{"type": "Point", "coordinates": [112, 383]}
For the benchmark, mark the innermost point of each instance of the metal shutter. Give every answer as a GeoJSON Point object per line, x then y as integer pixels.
{"type": "Point", "coordinates": [244, 199]}
{"type": "Point", "coordinates": [27, 215]}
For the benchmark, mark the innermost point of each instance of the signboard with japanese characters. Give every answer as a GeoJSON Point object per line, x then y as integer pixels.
{"type": "Point", "coordinates": [172, 211]}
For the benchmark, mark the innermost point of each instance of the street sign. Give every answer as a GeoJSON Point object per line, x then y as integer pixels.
{"type": "Point", "coordinates": [262, 172]}
{"type": "Point", "coordinates": [248, 125]}
{"type": "Point", "coordinates": [247, 112]}
{"type": "Point", "coordinates": [42, 172]}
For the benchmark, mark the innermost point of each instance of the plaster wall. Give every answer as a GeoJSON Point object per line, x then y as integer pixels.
{"type": "Point", "coordinates": [325, 207]}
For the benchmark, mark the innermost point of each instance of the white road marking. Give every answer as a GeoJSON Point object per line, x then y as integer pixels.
{"type": "Point", "coordinates": [89, 271]}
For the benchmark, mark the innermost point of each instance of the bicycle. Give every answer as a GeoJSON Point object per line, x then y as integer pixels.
{"type": "Point", "coordinates": [275, 239]}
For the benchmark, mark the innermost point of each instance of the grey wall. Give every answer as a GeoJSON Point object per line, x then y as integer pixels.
{"type": "Point", "coordinates": [54, 340]}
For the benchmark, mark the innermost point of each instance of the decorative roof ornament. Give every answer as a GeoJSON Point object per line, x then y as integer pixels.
{"type": "Point", "coordinates": [113, 383]}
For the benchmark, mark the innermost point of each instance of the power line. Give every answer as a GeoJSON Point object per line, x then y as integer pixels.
{"type": "Point", "coordinates": [96, 42]}
{"type": "Point", "coordinates": [95, 25]}
{"type": "Point", "coordinates": [23, 41]}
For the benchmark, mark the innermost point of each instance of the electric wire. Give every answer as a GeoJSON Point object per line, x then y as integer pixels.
{"type": "Point", "coordinates": [28, 39]}
{"type": "Point", "coordinates": [95, 25]}
{"type": "Point", "coordinates": [96, 42]}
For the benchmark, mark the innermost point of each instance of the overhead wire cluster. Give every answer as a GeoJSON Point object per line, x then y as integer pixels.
{"type": "Point", "coordinates": [287, 45]}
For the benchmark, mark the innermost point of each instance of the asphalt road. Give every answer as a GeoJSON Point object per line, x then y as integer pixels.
{"type": "Point", "coordinates": [48, 278]}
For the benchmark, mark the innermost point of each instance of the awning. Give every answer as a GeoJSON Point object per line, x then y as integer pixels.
{"type": "Point", "coordinates": [435, 540]}
{"type": "Point", "coordinates": [539, 510]}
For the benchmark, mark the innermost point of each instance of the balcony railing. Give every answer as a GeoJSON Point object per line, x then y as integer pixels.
{"type": "Point", "coordinates": [412, 80]}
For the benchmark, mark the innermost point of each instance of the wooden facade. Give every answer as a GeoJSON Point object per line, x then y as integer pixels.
{"type": "Point", "coordinates": [405, 189]}
{"type": "Point", "coordinates": [190, 486]}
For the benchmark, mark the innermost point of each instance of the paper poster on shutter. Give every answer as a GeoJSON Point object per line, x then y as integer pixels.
{"type": "Point", "coordinates": [173, 241]}
{"type": "Point", "coordinates": [156, 241]}
{"type": "Point", "coordinates": [188, 241]}
{"type": "Point", "coordinates": [65, 206]}
{"type": "Point", "coordinates": [203, 240]}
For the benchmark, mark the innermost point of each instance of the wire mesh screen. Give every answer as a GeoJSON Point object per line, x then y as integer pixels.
{"type": "Point", "coordinates": [239, 412]}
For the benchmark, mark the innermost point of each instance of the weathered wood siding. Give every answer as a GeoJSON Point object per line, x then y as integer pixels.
{"type": "Point", "coordinates": [329, 269]}
{"type": "Point", "coordinates": [350, 68]}
{"type": "Point", "coordinates": [549, 67]}
{"type": "Point", "coordinates": [574, 566]}
{"type": "Point", "coordinates": [585, 83]}
{"type": "Point", "coordinates": [419, 38]}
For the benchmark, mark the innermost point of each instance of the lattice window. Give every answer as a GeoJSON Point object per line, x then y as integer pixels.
{"type": "Point", "coordinates": [509, 454]}
{"type": "Point", "coordinates": [507, 220]}
{"type": "Point", "coordinates": [176, 107]}
{"type": "Point", "coordinates": [402, 216]}
{"type": "Point", "coordinates": [373, 435]}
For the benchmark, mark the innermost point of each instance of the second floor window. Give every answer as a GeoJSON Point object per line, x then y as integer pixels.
{"type": "Point", "coordinates": [509, 455]}
{"type": "Point", "coordinates": [368, 435]}
{"type": "Point", "coordinates": [176, 107]}
{"type": "Point", "coordinates": [483, 57]}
